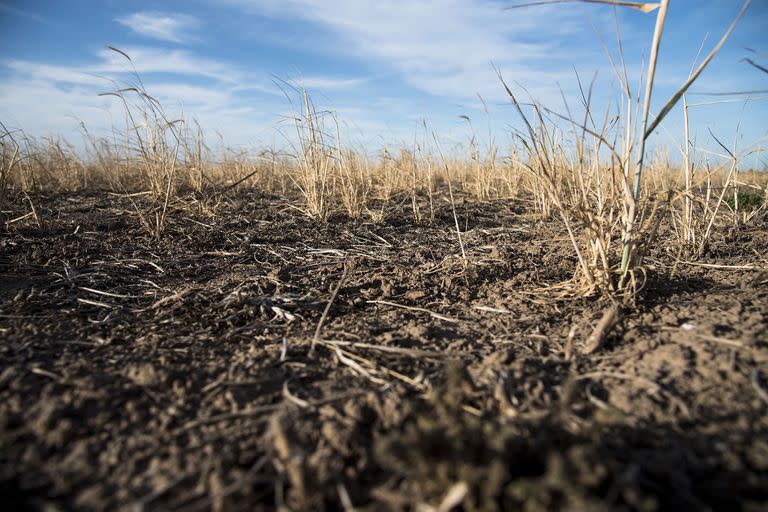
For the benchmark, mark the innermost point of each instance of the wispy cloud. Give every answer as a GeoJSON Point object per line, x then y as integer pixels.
{"type": "Point", "coordinates": [173, 27]}
{"type": "Point", "coordinates": [445, 47]}
{"type": "Point", "coordinates": [179, 64]}
{"type": "Point", "coordinates": [15, 11]}
{"type": "Point", "coordinates": [324, 83]}
{"type": "Point", "coordinates": [43, 97]}
{"type": "Point", "coordinates": [158, 60]}
{"type": "Point", "coordinates": [144, 60]}
{"type": "Point", "coordinates": [176, 78]}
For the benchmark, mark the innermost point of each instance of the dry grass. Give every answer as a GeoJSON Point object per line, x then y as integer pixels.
{"type": "Point", "coordinates": [586, 167]}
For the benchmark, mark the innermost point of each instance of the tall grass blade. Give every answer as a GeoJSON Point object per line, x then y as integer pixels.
{"type": "Point", "coordinates": [756, 65]}
{"type": "Point", "coordinates": [630, 215]}
{"type": "Point", "coordinates": [679, 94]}
{"type": "Point", "coordinates": [645, 7]}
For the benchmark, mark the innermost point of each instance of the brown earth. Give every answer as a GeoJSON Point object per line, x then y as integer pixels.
{"type": "Point", "coordinates": [179, 374]}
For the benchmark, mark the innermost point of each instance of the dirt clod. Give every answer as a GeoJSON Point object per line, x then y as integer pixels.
{"type": "Point", "coordinates": [176, 374]}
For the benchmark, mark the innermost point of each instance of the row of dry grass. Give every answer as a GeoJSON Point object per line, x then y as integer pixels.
{"type": "Point", "coordinates": [588, 170]}
{"type": "Point", "coordinates": [326, 179]}
{"type": "Point", "coordinates": [583, 187]}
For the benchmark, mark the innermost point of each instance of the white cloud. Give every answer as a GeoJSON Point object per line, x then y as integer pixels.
{"type": "Point", "coordinates": [54, 74]}
{"type": "Point", "coordinates": [159, 60]}
{"type": "Point", "coordinates": [319, 82]}
{"type": "Point", "coordinates": [446, 47]}
{"type": "Point", "coordinates": [15, 11]}
{"type": "Point", "coordinates": [144, 60]}
{"type": "Point", "coordinates": [111, 65]}
{"type": "Point", "coordinates": [40, 107]}
{"type": "Point", "coordinates": [173, 27]}
{"type": "Point", "coordinates": [46, 98]}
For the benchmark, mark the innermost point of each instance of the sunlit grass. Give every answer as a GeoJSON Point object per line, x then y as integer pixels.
{"type": "Point", "coordinates": [587, 167]}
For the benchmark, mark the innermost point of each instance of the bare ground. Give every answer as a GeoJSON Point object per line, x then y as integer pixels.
{"type": "Point", "coordinates": [180, 374]}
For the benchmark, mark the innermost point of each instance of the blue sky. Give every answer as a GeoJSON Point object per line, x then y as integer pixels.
{"type": "Point", "coordinates": [384, 66]}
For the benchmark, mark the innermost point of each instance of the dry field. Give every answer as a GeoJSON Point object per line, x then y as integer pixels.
{"type": "Point", "coordinates": [556, 325]}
